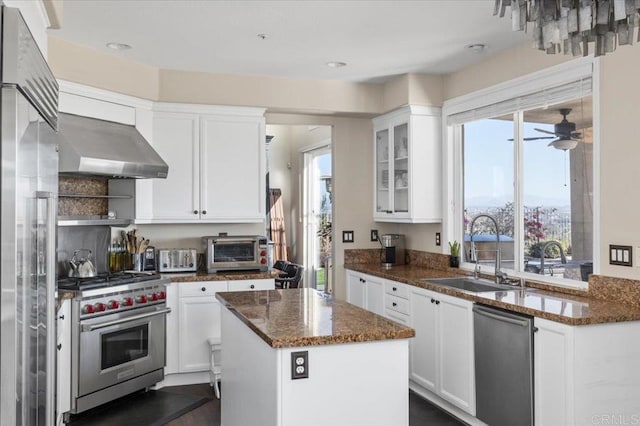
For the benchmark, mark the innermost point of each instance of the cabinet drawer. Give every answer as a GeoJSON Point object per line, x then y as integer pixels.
{"type": "Point", "coordinates": [397, 317]}
{"type": "Point", "coordinates": [201, 288]}
{"type": "Point", "coordinates": [396, 289]}
{"type": "Point", "coordinates": [396, 304]}
{"type": "Point", "coordinates": [244, 285]}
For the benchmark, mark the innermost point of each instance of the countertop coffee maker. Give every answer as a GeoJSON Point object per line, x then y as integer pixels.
{"type": "Point", "coordinates": [392, 251]}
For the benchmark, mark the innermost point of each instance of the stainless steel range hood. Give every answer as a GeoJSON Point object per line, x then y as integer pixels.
{"type": "Point", "coordinates": [102, 148]}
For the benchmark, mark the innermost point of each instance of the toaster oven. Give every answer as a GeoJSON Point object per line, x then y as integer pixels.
{"type": "Point", "coordinates": [236, 253]}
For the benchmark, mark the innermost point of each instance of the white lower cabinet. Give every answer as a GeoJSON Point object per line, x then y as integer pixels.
{"type": "Point", "coordinates": [441, 354]}
{"type": "Point", "coordinates": [365, 291]}
{"type": "Point", "coordinates": [194, 318]}
{"type": "Point", "coordinates": [587, 374]}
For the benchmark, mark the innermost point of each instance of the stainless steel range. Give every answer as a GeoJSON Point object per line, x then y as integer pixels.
{"type": "Point", "coordinates": [118, 336]}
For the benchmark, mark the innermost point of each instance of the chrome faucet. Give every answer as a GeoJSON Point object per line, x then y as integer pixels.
{"type": "Point", "coordinates": [500, 276]}
{"type": "Point", "coordinates": [543, 250]}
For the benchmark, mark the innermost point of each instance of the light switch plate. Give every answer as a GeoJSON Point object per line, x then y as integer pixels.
{"type": "Point", "coordinates": [620, 255]}
{"type": "Point", "coordinates": [374, 235]}
{"type": "Point", "coordinates": [347, 236]}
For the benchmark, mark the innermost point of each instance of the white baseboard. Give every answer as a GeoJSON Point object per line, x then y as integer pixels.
{"type": "Point", "coordinates": [183, 379]}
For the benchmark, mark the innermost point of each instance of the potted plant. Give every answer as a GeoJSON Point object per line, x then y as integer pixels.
{"type": "Point", "coordinates": [454, 258]}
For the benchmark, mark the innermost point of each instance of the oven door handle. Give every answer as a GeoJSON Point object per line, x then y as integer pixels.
{"type": "Point", "coordinates": [91, 327]}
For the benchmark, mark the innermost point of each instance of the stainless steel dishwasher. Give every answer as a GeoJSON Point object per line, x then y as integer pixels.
{"type": "Point", "coordinates": [504, 366]}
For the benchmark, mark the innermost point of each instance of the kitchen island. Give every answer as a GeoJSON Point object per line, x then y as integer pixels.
{"type": "Point", "coordinates": [356, 361]}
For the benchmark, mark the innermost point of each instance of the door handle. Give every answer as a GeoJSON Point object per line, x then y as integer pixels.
{"type": "Point", "coordinates": [91, 327]}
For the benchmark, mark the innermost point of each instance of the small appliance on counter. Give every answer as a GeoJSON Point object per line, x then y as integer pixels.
{"type": "Point", "coordinates": [177, 260]}
{"type": "Point", "coordinates": [149, 259]}
{"type": "Point", "coordinates": [392, 252]}
{"type": "Point", "coordinates": [236, 253]}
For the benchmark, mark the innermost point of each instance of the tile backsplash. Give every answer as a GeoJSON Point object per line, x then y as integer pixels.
{"type": "Point", "coordinates": [82, 206]}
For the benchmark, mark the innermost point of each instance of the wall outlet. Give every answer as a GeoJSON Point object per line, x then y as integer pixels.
{"type": "Point", "coordinates": [438, 242]}
{"type": "Point", "coordinates": [299, 365]}
{"type": "Point", "coordinates": [374, 235]}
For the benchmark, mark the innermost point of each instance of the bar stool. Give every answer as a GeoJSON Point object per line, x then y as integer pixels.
{"type": "Point", "coordinates": [215, 371]}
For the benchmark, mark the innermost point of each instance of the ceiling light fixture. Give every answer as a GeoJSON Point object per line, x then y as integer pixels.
{"type": "Point", "coordinates": [262, 36]}
{"type": "Point", "coordinates": [476, 48]}
{"type": "Point", "coordinates": [568, 26]}
{"type": "Point", "coordinates": [118, 46]}
{"type": "Point", "coordinates": [336, 64]}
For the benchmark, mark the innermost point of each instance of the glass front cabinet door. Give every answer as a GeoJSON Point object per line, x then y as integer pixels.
{"type": "Point", "coordinates": [407, 166]}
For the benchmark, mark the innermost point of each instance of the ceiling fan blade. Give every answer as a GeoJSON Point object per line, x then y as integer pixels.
{"type": "Point", "coordinates": [545, 131]}
{"type": "Point", "coordinates": [576, 135]}
{"type": "Point", "coordinates": [536, 138]}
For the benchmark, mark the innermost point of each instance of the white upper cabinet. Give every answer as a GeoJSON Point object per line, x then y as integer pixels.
{"type": "Point", "coordinates": [407, 165]}
{"type": "Point", "coordinates": [216, 167]}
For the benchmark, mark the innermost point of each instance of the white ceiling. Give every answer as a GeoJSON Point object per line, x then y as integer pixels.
{"type": "Point", "coordinates": [378, 39]}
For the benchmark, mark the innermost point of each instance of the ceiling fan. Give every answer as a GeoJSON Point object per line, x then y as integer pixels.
{"type": "Point", "coordinates": [564, 133]}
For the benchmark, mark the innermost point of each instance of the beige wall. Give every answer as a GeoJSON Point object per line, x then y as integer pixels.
{"type": "Point", "coordinates": [498, 68]}
{"type": "Point", "coordinates": [81, 64]}
{"type": "Point", "coordinates": [619, 157]}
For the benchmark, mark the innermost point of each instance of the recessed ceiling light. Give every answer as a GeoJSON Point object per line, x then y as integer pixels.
{"type": "Point", "coordinates": [118, 46]}
{"type": "Point", "coordinates": [476, 48]}
{"type": "Point", "coordinates": [336, 64]}
{"type": "Point", "coordinates": [262, 36]}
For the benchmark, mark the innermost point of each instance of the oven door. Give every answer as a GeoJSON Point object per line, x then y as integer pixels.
{"type": "Point", "coordinates": [119, 347]}
{"type": "Point", "coordinates": [233, 254]}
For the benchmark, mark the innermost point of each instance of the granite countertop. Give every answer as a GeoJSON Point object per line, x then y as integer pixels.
{"type": "Point", "coordinates": [220, 276]}
{"type": "Point", "coordinates": [305, 317]}
{"type": "Point", "coordinates": [572, 309]}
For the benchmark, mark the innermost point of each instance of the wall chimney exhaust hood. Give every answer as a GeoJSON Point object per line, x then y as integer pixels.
{"type": "Point", "coordinates": [93, 147]}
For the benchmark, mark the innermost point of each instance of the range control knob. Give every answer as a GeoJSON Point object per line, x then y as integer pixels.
{"type": "Point", "coordinates": [141, 299]}
{"type": "Point", "coordinates": [154, 297]}
{"type": "Point", "coordinates": [263, 252]}
{"type": "Point", "coordinates": [162, 295]}
{"type": "Point", "coordinates": [88, 309]}
{"type": "Point", "coordinates": [100, 307]}
{"type": "Point", "coordinates": [127, 301]}
{"type": "Point", "coordinates": [263, 261]}
{"type": "Point", "coordinates": [113, 304]}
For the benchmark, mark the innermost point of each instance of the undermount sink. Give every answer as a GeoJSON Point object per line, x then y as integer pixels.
{"type": "Point", "coordinates": [469, 284]}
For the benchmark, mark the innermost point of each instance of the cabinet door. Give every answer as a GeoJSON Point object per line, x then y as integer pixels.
{"type": "Point", "coordinates": [553, 349]}
{"type": "Point", "coordinates": [176, 198]}
{"type": "Point", "coordinates": [244, 285]}
{"type": "Point", "coordinates": [374, 293]}
{"type": "Point", "coordinates": [456, 366]}
{"type": "Point", "coordinates": [232, 168]}
{"type": "Point", "coordinates": [382, 170]}
{"type": "Point", "coordinates": [199, 320]}
{"type": "Point", "coordinates": [173, 324]}
{"type": "Point", "coordinates": [423, 353]}
{"type": "Point", "coordinates": [355, 289]}
{"type": "Point", "coordinates": [400, 185]}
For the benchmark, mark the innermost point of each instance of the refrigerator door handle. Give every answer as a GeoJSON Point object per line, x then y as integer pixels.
{"type": "Point", "coordinates": [51, 288]}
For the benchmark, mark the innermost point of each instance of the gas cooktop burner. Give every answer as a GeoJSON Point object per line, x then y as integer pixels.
{"type": "Point", "coordinates": [106, 280]}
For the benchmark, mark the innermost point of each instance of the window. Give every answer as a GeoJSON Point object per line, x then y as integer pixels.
{"type": "Point", "coordinates": [528, 163]}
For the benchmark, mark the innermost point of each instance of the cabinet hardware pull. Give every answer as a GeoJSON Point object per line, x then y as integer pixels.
{"type": "Point", "coordinates": [253, 286]}
{"type": "Point", "coordinates": [61, 317]}
{"type": "Point", "coordinates": [195, 212]}
{"type": "Point", "coordinates": [433, 300]}
{"type": "Point", "coordinates": [59, 346]}
{"type": "Point", "coordinates": [535, 329]}
{"type": "Point", "coordinates": [204, 212]}
{"type": "Point", "coordinates": [203, 289]}
{"type": "Point", "coordinates": [394, 304]}
{"type": "Point", "coordinates": [437, 302]}
{"type": "Point", "coordinates": [395, 289]}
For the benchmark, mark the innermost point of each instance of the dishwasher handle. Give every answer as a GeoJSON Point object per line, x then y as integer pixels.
{"type": "Point", "coordinates": [501, 316]}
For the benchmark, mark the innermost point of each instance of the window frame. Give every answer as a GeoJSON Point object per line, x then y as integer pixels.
{"type": "Point", "coordinates": [452, 227]}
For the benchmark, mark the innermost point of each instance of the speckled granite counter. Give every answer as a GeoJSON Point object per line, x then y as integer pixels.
{"type": "Point", "coordinates": [221, 276]}
{"type": "Point", "coordinates": [572, 309]}
{"type": "Point", "coordinates": [305, 317]}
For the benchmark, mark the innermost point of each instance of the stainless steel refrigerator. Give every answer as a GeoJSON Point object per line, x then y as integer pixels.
{"type": "Point", "coordinates": [28, 179]}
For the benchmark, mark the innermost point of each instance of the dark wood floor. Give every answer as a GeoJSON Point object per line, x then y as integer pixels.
{"type": "Point", "coordinates": [421, 412]}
